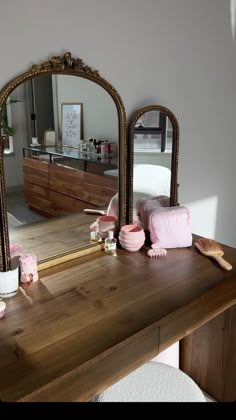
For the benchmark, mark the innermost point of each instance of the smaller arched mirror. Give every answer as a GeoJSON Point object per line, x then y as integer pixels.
{"type": "Point", "coordinates": [152, 156]}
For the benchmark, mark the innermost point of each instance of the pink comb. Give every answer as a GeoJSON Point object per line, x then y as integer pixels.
{"type": "Point", "coordinates": [156, 252]}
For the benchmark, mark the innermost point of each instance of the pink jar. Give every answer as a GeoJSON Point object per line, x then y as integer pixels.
{"type": "Point", "coordinates": [132, 237]}
{"type": "Point", "coordinates": [106, 223]}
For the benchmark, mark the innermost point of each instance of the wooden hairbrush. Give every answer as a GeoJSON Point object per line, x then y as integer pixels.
{"type": "Point", "coordinates": [212, 249]}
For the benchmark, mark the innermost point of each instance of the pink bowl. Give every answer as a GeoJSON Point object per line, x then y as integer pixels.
{"type": "Point", "coordinates": [106, 223]}
{"type": "Point", "coordinates": [132, 237]}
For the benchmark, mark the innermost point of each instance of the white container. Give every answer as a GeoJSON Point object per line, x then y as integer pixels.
{"type": "Point", "coordinates": [9, 283]}
{"type": "Point", "coordinates": [34, 140]}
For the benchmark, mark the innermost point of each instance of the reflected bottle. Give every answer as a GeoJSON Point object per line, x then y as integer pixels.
{"type": "Point", "coordinates": [95, 235]}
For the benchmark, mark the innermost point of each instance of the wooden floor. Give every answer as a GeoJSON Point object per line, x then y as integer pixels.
{"type": "Point", "coordinates": [17, 207]}
{"type": "Point", "coordinates": [54, 236]}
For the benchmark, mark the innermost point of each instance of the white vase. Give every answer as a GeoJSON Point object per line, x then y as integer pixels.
{"type": "Point", "coordinates": [9, 283]}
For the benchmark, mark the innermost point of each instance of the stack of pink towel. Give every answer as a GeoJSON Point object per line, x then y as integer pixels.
{"type": "Point", "coordinates": [169, 227]}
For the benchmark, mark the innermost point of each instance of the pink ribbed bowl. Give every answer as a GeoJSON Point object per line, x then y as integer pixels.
{"type": "Point", "coordinates": [106, 223]}
{"type": "Point", "coordinates": [131, 237]}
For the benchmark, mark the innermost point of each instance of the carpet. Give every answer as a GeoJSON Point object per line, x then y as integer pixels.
{"type": "Point", "coordinates": [12, 221]}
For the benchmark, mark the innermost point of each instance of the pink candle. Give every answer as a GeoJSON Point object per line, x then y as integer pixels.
{"type": "Point", "coordinates": [28, 269]}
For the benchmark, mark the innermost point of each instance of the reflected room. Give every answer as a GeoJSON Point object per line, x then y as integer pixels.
{"type": "Point", "coordinates": [60, 158]}
{"type": "Point", "coordinates": [152, 138]}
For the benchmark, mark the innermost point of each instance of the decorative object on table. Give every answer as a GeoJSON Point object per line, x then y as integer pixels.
{"type": "Point", "coordinates": [210, 248]}
{"type": "Point", "coordinates": [170, 227]}
{"type": "Point", "coordinates": [2, 309]}
{"type": "Point", "coordinates": [49, 139]}
{"type": "Point", "coordinates": [9, 283]}
{"type": "Point", "coordinates": [131, 237]}
{"type": "Point", "coordinates": [106, 223]}
{"type": "Point", "coordinates": [71, 124]}
{"type": "Point", "coordinates": [95, 235]}
{"type": "Point", "coordinates": [110, 244]}
{"type": "Point", "coordinates": [156, 252]}
{"type": "Point", "coordinates": [28, 269]}
{"type": "Point", "coordinates": [34, 141]}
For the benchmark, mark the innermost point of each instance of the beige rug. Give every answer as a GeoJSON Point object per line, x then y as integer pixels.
{"type": "Point", "coordinates": [12, 221]}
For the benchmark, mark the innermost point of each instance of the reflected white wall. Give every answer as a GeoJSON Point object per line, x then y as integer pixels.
{"type": "Point", "coordinates": [100, 118]}
{"type": "Point", "coordinates": [233, 16]}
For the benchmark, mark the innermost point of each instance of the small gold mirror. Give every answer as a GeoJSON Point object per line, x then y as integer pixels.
{"type": "Point", "coordinates": [153, 149]}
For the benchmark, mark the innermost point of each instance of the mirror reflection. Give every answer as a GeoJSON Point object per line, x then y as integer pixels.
{"type": "Point", "coordinates": [152, 155]}
{"type": "Point", "coordinates": [60, 158]}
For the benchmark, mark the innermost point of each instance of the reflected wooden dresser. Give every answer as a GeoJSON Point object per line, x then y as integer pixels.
{"type": "Point", "coordinates": [56, 189]}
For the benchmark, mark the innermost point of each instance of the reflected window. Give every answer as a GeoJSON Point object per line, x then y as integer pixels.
{"type": "Point", "coordinates": [153, 131]}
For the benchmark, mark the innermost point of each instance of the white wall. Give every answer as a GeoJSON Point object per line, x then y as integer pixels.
{"type": "Point", "coordinates": [150, 158]}
{"type": "Point", "coordinates": [177, 53]}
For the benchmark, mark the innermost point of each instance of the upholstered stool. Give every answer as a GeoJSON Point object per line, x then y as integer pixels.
{"type": "Point", "coordinates": [154, 382]}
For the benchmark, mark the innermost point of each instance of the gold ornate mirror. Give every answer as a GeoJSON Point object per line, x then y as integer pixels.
{"type": "Point", "coordinates": [153, 150]}
{"type": "Point", "coordinates": [62, 150]}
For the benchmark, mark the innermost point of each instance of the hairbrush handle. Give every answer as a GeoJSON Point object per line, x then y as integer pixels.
{"type": "Point", "coordinates": [95, 211]}
{"type": "Point", "coordinates": [222, 262]}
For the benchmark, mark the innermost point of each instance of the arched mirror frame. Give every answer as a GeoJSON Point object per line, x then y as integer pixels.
{"type": "Point", "coordinates": [174, 158]}
{"type": "Point", "coordinates": [69, 66]}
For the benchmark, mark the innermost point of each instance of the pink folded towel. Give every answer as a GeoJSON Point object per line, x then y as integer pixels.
{"type": "Point", "coordinates": [145, 206]}
{"type": "Point", "coordinates": [170, 227]}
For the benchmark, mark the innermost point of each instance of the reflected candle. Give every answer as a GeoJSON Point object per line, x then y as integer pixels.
{"type": "Point", "coordinates": [28, 269]}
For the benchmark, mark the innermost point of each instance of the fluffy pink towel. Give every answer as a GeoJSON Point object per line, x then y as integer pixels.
{"type": "Point", "coordinates": [170, 227]}
{"type": "Point", "coordinates": [145, 206]}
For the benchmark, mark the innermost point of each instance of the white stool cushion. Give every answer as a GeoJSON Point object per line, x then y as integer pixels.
{"type": "Point", "coordinates": [154, 382]}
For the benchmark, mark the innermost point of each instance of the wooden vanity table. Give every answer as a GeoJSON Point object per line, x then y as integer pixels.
{"type": "Point", "coordinates": [87, 323]}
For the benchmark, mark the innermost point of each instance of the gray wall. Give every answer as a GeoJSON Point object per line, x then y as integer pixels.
{"type": "Point", "coordinates": [177, 53]}
{"type": "Point", "coordinates": [100, 118]}
{"type": "Point", "coordinates": [149, 158]}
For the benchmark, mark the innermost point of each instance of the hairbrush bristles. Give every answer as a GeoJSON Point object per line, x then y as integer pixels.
{"type": "Point", "coordinates": [209, 244]}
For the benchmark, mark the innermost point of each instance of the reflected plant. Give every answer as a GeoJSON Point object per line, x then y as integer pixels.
{"type": "Point", "coordinates": [6, 129]}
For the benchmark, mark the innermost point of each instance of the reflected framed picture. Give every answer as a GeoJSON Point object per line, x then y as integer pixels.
{"type": "Point", "coordinates": [71, 124]}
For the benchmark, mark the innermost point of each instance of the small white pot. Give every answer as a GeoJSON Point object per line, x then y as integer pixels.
{"type": "Point", "coordinates": [9, 283]}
